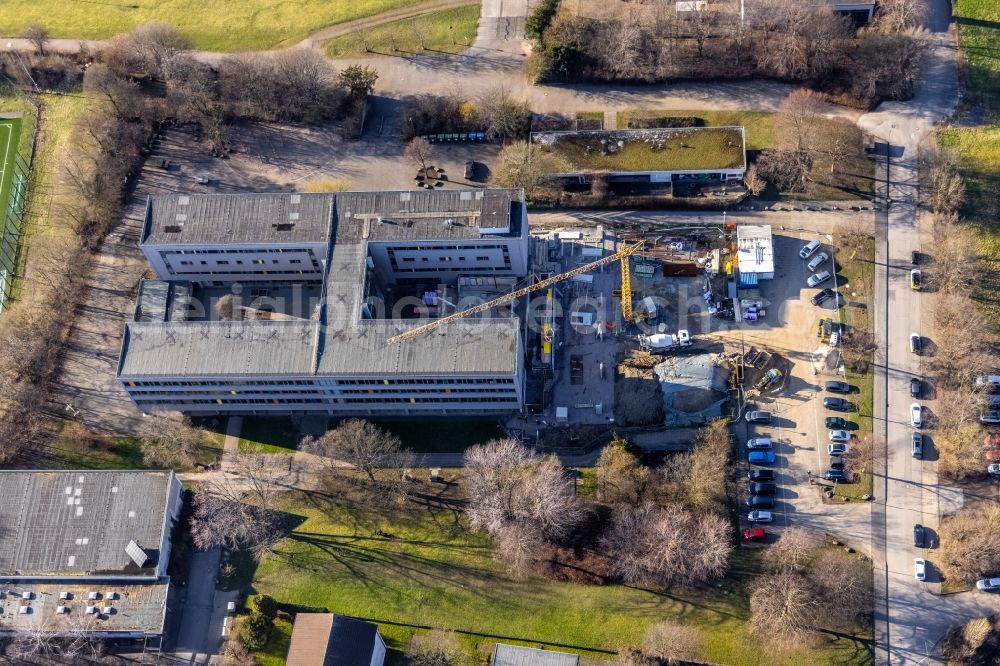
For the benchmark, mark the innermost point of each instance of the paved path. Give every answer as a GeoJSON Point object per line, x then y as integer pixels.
{"type": "Point", "coordinates": [197, 639]}
{"type": "Point", "coordinates": [909, 618]}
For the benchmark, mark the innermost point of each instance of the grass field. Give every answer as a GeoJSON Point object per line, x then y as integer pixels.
{"type": "Point", "coordinates": [758, 125]}
{"type": "Point", "coordinates": [10, 136]}
{"type": "Point", "coordinates": [447, 31]}
{"type": "Point", "coordinates": [978, 34]}
{"type": "Point", "coordinates": [222, 25]}
{"type": "Point", "coordinates": [414, 568]}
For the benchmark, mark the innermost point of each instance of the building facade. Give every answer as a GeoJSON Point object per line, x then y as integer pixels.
{"type": "Point", "coordinates": [367, 256]}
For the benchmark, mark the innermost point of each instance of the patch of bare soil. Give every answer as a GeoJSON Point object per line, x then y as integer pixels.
{"type": "Point", "coordinates": [638, 396]}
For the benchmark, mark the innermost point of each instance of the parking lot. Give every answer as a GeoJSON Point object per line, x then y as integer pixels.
{"type": "Point", "coordinates": [797, 427]}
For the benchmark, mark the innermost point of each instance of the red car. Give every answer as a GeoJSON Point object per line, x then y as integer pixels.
{"type": "Point", "coordinates": [754, 534]}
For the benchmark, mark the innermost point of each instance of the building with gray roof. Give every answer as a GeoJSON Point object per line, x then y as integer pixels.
{"type": "Point", "coordinates": [86, 550]}
{"type": "Point", "coordinates": [379, 263]}
{"type": "Point", "coordinates": [517, 655]}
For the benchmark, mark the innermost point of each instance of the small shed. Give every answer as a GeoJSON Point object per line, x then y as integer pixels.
{"type": "Point", "coordinates": [516, 655]}
{"type": "Point", "coordinates": [325, 639]}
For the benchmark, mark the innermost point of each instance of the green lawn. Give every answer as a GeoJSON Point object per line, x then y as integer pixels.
{"type": "Point", "coordinates": [76, 448]}
{"type": "Point", "coordinates": [276, 650]}
{"type": "Point", "coordinates": [422, 568]}
{"type": "Point", "coordinates": [447, 31]}
{"type": "Point", "coordinates": [979, 34]}
{"type": "Point", "coordinates": [10, 136]}
{"type": "Point", "coordinates": [221, 25]}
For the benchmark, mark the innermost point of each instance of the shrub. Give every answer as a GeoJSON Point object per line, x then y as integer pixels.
{"type": "Point", "coordinates": [263, 604]}
{"type": "Point", "coordinates": [255, 629]}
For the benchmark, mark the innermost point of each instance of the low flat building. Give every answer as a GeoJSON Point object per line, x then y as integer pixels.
{"type": "Point", "coordinates": [754, 253]}
{"type": "Point", "coordinates": [86, 550]}
{"type": "Point", "coordinates": [656, 158]}
{"type": "Point", "coordinates": [517, 655]}
{"type": "Point", "coordinates": [325, 639]}
{"type": "Point", "coordinates": [367, 257]}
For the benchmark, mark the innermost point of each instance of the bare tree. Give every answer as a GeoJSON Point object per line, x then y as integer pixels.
{"type": "Point", "coordinates": [435, 648]}
{"type": "Point", "coordinates": [122, 94]}
{"type": "Point", "coordinates": [754, 183]}
{"type": "Point", "coordinates": [237, 511]}
{"type": "Point", "coordinates": [794, 550]}
{"type": "Point", "coordinates": [501, 116]}
{"type": "Point", "coordinates": [962, 330]}
{"type": "Point", "coordinates": [420, 151]}
{"type": "Point", "coordinates": [864, 450]}
{"type": "Point", "coordinates": [896, 16]}
{"type": "Point", "coordinates": [37, 34]}
{"type": "Point", "coordinates": [787, 170]}
{"type": "Point", "coordinates": [970, 543]}
{"type": "Point", "coordinates": [621, 477]}
{"type": "Point", "coordinates": [525, 166]}
{"type": "Point", "coordinates": [783, 608]}
{"type": "Point", "coordinates": [169, 440]}
{"type": "Point", "coordinates": [942, 188]}
{"type": "Point", "coordinates": [673, 641]}
{"type": "Point", "coordinates": [364, 446]}
{"type": "Point", "coordinates": [520, 498]}
{"type": "Point", "coordinates": [145, 49]}
{"type": "Point", "coordinates": [667, 545]}
{"type": "Point", "coordinates": [844, 583]}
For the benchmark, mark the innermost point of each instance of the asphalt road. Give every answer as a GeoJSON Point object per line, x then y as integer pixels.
{"type": "Point", "coordinates": [910, 617]}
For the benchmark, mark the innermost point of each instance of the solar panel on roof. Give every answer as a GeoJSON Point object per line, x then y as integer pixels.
{"type": "Point", "coordinates": [137, 554]}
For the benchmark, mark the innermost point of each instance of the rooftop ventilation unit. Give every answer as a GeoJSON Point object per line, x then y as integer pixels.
{"type": "Point", "coordinates": [173, 228]}
{"type": "Point", "coordinates": [91, 610]}
{"type": "Point", "coordinates": [26, 595]}
{"type": "Point", "coordinates": [93, 595]}
{"type": "Point", "coordinates": [108, 610]}
{"type": "Point", "coordinates": [111, 596]}
{"type": "Point", "coordinates": [284, 226]}
{"type": "Point", "coordinates": [65, 596]}
{"type": "Point", "coordinates": [62, 610]}
{"type": "Point", "coordinates": [24, 610]}
{"type": "Point", "coordinates": [137, 554]}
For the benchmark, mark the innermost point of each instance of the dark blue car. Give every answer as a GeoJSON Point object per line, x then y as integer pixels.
{"type": "Point", "coordinates": [761, 457]}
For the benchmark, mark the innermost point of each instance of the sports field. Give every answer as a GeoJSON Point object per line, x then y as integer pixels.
{"type": "Point", "coordinates": [10, 134]}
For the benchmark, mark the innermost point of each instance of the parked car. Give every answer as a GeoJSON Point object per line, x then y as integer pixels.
{"type": "Point", "coordinates": [920, 569]}
{"type": "Point", "coordinates": [915, 343]}
{"type": "Point", "coordinates": [916, 414]}
{"type": "Point", "coordinates": [758, 416]}
{"type": "Point", "coordinates": [838, 387]}
{"type": "Point", "coordinates": [763, 488]}
{"type": "Point", "coordinates": [838, 448]}
{"type": "Point", "coordinates": [818, 278]}
{"type": "Point", "coordinates": [837, 423]}
{"type": "Point", "coordinates": [761, 458]}
{"type": "Point", "coordinates": [760, 517]}
{"type": "Point", "coordinates": [840, 436]}
{"type": "Point", "coordinates": [837, 462]}
{"type": "Point", "coordinates": [760, 502]}
{"type": "Point", "coordinates": [817, 261]}
{"type": "Point", "coordinates": [918, 535]}
{"type": "Point", "coordinates": [759, 443]}
{"type": "Point", "coordinates": [835, 475]}
{"type": "Point", "coordinates": [916, 279]}
{"type": "Point", "coordinates": [809, 249]}
{"type": "Point", "coordinates": [754, 534]}
{"type": "Point", "coordinates": [988, 584]}
{"type": "Point", "coordinates": [822, 296]}
{"type": "Point", "coordinates": [470, 170]}
{"type": "Point", "coordinates": [989, 382]}
{"type": "Point", "coordinates": [760, 475]}
{"type": "Point", "coordinates": [839, 404]}
{"type": "Point", "coordinates": [993, 470]}
{"type": "Point", "coordinates": [990, 416]}
{"type": "Point", "coordinates": [835, 339]}
{"type": "Point", "coordinates": [914, 257]}
{"type": "Point", "coordinates": [917, 445]}
{"type": "Point", "coordinates": [915, 387]}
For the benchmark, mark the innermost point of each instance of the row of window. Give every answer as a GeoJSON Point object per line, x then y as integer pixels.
{"type": "Point", "coordinates": [225, 262]}
{"type": "Point", "coordinates": [445, 259]}
{"type": "Point", "coordinates": [467, 246]}
{"type": "Point", "coordinates": [322, 382]}
{"type": "Point", "coordinates": [143, 394]}
{"type": "Point", "coordinates": [313, 401]}
{"type": "Point", "coordinates": [254, 250]}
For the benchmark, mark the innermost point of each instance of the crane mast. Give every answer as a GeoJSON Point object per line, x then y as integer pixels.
{"type": "Point", "coordinates": [622, 254]}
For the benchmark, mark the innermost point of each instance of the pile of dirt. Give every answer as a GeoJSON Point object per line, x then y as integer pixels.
{"type": "Point", "coordinates": [638, 397]}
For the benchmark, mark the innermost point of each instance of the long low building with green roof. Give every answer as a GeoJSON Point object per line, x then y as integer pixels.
{"type": "Point", "coordinates": [655, 156]}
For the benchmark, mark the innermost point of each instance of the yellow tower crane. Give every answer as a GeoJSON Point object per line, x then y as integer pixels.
{"type": "Point", "coordinates": [626, 298]}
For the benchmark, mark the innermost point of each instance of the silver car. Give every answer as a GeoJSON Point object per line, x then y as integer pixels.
{"type": "Point", "coordinates": [818, 278]}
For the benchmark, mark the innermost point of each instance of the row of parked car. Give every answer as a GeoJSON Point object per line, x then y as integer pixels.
{"type": "Point", "coordinates": [760, 451]}
{"type": "Point", "coordinates": [817, 278]}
